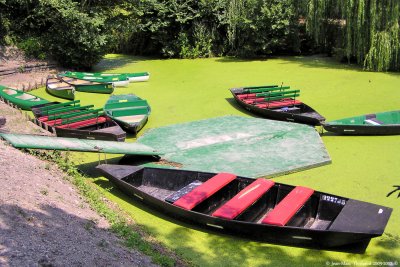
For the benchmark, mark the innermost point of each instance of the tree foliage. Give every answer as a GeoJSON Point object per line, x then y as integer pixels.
{"type": "Point", "coordinates": [79, 32]}
{"type": "Point", "coordinates": [364, 30]}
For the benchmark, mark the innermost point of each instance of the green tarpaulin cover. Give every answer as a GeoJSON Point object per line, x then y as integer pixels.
{"type": "Point", "coordinates": [245, 146]}
{"type": "Point", "coordinates": [74, 144]}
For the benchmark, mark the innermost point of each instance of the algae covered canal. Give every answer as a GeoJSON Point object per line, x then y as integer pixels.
{"type": "Point", "coordinates": [364, 168]}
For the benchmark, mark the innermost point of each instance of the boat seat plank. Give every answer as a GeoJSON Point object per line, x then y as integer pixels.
{"type": "Point", "coordinates": [373, 121]}
{"type": "Point", "coordinates": [10, 91]}
{"type": "Point", "coordinates": [132, 119]}
{"type": "Point", "coordinates": [288, 206]}
{"type": "Point", "coordinates": [204, 191]}
{"type": "Point", "coordinates": [183, 191]}
{"type": "Point", "coordinates": [244, 199]}
{"type": "Point", "coordinates": [26, 97]}
{"type": "Point", "coordinates": [279, 104]}
{"type": "Point", "coordinates": [263, 100]}
{"type": "Point", "coordinates": [80, 124]}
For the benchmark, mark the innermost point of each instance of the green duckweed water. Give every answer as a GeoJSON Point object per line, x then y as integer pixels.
{"type": "Point", "coordinates": [364, 168]}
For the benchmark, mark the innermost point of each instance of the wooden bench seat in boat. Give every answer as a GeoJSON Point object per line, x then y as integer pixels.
{"type": "Point", "coordinates": [244, 199]}
{"type": "Point", "coordinates": [84, 123]}
{"type": "Point", "coordinates": [287, 207]}
{"type": "Point", "coordinates": [266, 100]}
{"type": "Point", "coordinates": [251, 93]}
{"type": "Point", "coordinates": [373, 121]}
{"type": "Point", "coordinates": [204, 191]}
{"type": "Point", "coordinates": [270, 94]}
{"type": "Point", "coordinates": [10, 91]}
{"type": "Point", "coordinates": [279, 104]}
{"type": "Point", "coordinates": [131, 119]}
{"type": "Point", "coordinates": [57, 113]}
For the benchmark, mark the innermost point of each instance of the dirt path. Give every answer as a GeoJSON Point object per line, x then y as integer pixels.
{"type": "Point", "coordinates": [43, 220]}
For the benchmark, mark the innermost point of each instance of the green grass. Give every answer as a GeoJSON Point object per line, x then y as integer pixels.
{"type": "Point", "coordinates": [363, 168]}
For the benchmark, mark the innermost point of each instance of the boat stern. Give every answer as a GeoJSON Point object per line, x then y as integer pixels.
{"type": "Point", "coordinates": [362, 217]}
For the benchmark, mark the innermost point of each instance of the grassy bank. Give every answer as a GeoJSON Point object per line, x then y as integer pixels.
{"type": "Point", "coordinates": [363, 168]}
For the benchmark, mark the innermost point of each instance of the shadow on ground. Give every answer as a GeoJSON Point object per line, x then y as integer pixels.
{"type": "Point", "coordinates": [49, 236]}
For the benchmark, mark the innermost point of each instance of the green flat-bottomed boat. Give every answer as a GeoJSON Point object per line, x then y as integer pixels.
{"type": "Point", "coordinates": [19, 98]}
{"type": "Point", "coordinates": [129, 111]}
{"type": "Point", "coordinates": [132, 77]}
{"type": "Point", "coordinates": [58, 88]}
{"type": "Point", "coordinates": [383, 123]}
{"type": "Point", "coordinates": [116, 80]}
{"type": "Point", "coordinates": [88, 86]}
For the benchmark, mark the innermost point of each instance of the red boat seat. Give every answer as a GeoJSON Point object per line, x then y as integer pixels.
{"type": "Point", "coordinates": [278, 104]}
{"type": "Point", "coordinates": [204, 191]}
{"type": "Point", "coordinates": [243, 199]}
{"type": "Point", "coordinates": [80, 124]}
{"type": "Point", "coordinates": [288, 206]}
{"type": "Point", "coordinates": [245, 96]}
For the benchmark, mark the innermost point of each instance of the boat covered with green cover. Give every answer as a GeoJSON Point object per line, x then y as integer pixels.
{"type": "Point", "coordinates": [19, 98]}
{"type": "Point", "coordinates": [59, 88]}
{"type": "Point", "coordinates": [132, 76]}
{"type": "Point", "coordinates": [88, 86]}
{"type": "Point", "coordinates": [129, 111]}
{"type": "Point", "coordinates": [383, 123]}
{"type": "Point", "coordinates": [116, 80]}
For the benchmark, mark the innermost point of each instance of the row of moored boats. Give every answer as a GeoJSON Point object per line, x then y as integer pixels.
{"type": "Point", "coordinates": [282, 103]}
{"type": "Point", "coordinates": [70, 119]}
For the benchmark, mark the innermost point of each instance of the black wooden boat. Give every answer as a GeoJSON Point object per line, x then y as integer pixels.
{"type": "Point", "coordinates": [253, 208]}
{"type": "Point", "coordinates": [70, 119]}
{"type": "Point", "coordinates": [276, 102]}
{"type": "Point", "coordinates": [382, 123]}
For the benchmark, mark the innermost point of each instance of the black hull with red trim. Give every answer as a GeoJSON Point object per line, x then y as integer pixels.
{"type": "Point", "coordinates": [302, 114]}
{"type": "Point", "coordinates": [322, 221]}
{"type": "Point", "coordinates": [107, 131]}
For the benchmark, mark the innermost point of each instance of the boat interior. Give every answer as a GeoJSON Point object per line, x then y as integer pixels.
{"type": "Point", "coordinates": [236, 198]}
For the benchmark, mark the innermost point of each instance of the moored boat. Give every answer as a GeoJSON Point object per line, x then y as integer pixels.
{"type": "Point", "coordinates": [276, 102]}
{"type": "Point", "coordinates": [88, 86]}
{"type": "Point", "coordinates": [76, 121]}
{"type": "Point", "coordinates": [382, 123]}
{"type": "Point", "coordinates": [129, 111]}
{"type": "Point", "coordinates": [256, 209]}
{"type": "Point", "coordinates": [132, 76]}
{"type": "Point", "coordinates": [59, 88]}
{"type": "Point", "coordinates": [116, 80]}
{"type": "Point", "coordinates": [19, 98]}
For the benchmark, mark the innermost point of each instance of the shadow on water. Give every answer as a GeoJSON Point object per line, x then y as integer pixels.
{"type": "Point", "coordinates": [234, 104]}
{"type": "Point", "coordinates": [314, 61]}
{"type": "Point", "coordinates": [120, 61]}
{"type": "Point", "coordinates": [40, 237]}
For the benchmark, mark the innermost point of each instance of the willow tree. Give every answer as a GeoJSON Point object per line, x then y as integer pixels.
{"type": "Point", "coordinates": [368, 30]}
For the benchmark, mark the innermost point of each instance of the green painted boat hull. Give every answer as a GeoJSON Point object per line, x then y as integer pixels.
{"type": "Point", "coordinates": [21, 99]}
{"type": "Point", "coordinates": [383, 123]}
{"type": "Point", "coordinates": [102, 88]}
{"type": "Point", "coordinates": [66, 94]}
{"type": "Point", "coordinates": [129, 111]}
{"type": "Point", "coordinates": [132, 77]}
{"type": "Point", "coordinates": [116, 80]}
